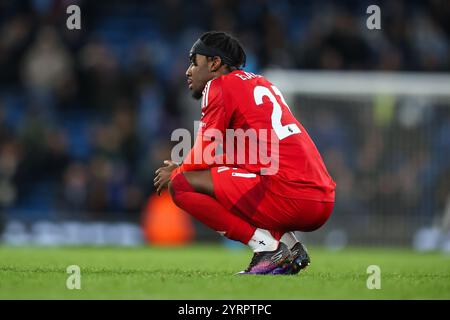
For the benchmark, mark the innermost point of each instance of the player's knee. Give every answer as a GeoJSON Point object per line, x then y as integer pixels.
{"type": "Point", "coordinates": [201, 181]}
{"type": "Point", "coordinates": [171, 189]}
{"type": "Point", "coordinates": [178, 185]}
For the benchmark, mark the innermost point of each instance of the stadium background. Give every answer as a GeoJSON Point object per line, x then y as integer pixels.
{"type": "Point", "coordinates": [86, 115]}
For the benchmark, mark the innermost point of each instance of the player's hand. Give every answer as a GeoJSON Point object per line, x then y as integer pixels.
{"type": "Point", "coordinates": [163, 175]}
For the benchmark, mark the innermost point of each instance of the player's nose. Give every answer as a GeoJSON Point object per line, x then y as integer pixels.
{"type": "Point", "coordinates": [188, 71]}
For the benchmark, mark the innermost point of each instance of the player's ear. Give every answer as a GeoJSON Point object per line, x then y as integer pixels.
{"type": "Point", "coordinates": [215, 64]}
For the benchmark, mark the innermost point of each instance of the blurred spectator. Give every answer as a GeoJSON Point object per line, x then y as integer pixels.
{"type": "Point", "coordinates": [47, 63]}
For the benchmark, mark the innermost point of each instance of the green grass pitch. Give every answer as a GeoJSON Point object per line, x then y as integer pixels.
{"type": "Point", "coordinates": [207, 272]}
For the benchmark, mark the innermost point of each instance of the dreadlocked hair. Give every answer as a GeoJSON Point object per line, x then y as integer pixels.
{"type": "Point", "coordinates": [228, 44]}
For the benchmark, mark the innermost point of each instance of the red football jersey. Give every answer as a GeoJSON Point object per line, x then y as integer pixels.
{"type": "Point", "coordinates": [275, 144]}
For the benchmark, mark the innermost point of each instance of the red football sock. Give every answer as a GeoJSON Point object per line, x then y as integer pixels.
{"type": "Point", "coordinates": [209, 211]}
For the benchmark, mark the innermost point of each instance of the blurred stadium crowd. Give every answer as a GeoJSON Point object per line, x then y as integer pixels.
{"type": "Point", "coordinates": [86, 115]}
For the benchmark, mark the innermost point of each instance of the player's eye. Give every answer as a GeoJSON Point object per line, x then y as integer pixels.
{"type": "Point", "coordinates": [192, 60]}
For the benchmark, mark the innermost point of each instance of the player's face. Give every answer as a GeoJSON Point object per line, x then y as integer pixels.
{"type": "Point", "coordinates": [198, 74]}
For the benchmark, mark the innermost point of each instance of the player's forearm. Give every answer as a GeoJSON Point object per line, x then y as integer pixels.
{"type": "Point", "coordinates": [195, 159]}
{"type": "Point", "coordinates": [188, 167]}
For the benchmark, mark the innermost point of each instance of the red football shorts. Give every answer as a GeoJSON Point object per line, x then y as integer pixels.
{"type": "Point", "coordinates": [245, 195]}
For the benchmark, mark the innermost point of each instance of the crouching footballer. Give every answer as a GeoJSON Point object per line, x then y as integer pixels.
{"type": "Point", "coordinates": [257, 203]}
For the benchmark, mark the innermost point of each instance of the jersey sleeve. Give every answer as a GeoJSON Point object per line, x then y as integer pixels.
{"type": "Point", "coordinates": [214, 113]}
{"type": "Point", "coordinates": [213, 123]}
{"type": "Point", "coordinates": [191, 163]}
